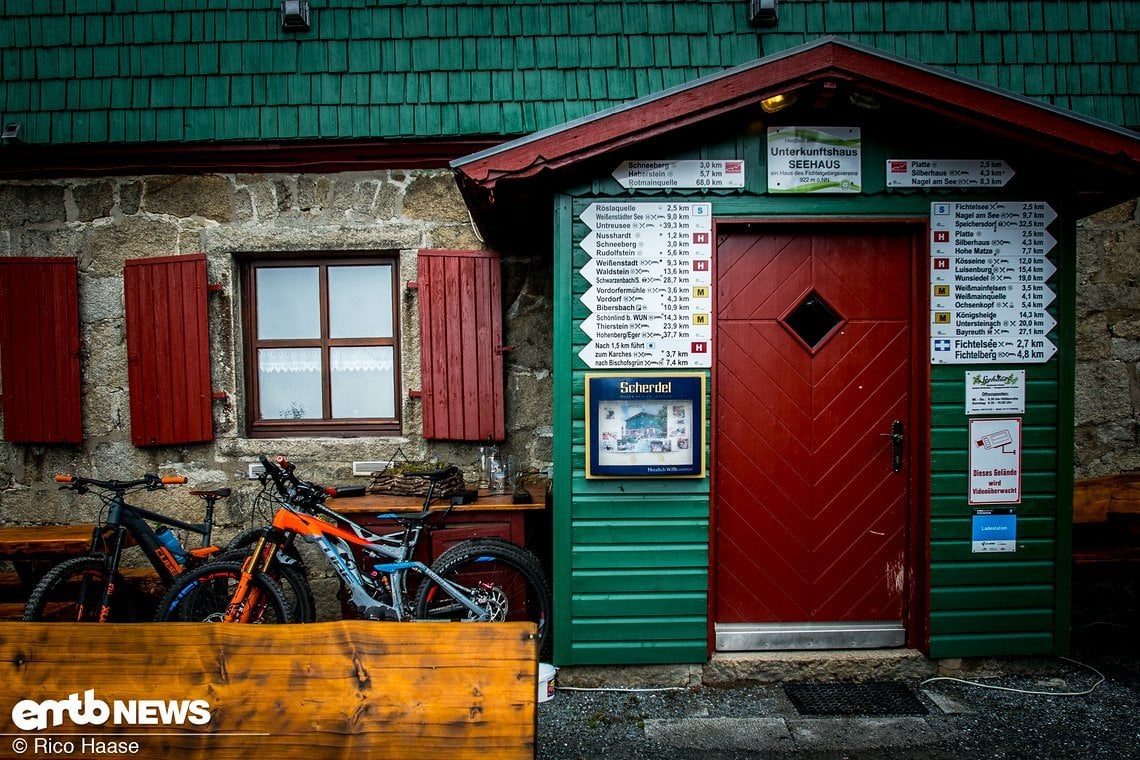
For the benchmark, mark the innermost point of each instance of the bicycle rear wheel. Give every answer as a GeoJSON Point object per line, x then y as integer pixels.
{"type": "Point", "coordinates": [72, 592]}
{"type": "Point", "coordinates": [204, 595]}
{"type": "Point", "coordinates": [502, 577]}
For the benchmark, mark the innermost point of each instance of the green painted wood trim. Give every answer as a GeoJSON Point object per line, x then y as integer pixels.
{"type": "Point", "coordinates": [562, 496]}
{"type": "Point", "coordinates": [1067, 274]}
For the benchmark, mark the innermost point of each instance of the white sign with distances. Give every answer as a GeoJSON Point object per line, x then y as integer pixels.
{"type": "Point", "coordinates": [689, 174]}
{"type": "Point", "coordinates": [995, 460]}
{"type": "Point", "coordinates": [815, 160]}
{"type": "Point", "coordinates": [995, 392]}
{"type": "Point", "coordinates": [943, 172]}
{"type": "Point", "coordinates": [650, 285]}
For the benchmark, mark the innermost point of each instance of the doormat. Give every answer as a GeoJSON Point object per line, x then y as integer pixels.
{"type": "Point", "coordinates": [874, 698]}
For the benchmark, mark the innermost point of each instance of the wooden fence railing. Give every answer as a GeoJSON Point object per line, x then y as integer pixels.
{"type": "Point", "coordinates": [350, 689]}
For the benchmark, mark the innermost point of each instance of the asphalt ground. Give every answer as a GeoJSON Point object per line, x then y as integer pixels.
{"type": "Point", "coordinates": [1028, 717]}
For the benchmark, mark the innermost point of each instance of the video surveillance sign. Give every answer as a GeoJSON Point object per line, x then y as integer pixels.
{"type": "Point", "coordinates": [995, 461]}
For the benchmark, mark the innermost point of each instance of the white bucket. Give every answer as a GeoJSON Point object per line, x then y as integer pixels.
{"type": "Point", "coordinates": [546, 673]}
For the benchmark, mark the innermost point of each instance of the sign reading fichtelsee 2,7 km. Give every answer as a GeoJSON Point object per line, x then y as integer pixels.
{"type": "Point", "coordinates": [989, 283]}
{"type": "Point", "coordinates": [650, 277]}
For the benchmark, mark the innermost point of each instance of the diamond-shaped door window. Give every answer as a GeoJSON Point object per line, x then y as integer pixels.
{"type": "Point", "coordinates": [813, 320]}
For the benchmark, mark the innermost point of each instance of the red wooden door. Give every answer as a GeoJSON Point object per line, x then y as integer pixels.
{"type": "Point", "coordinates": [812, 370]}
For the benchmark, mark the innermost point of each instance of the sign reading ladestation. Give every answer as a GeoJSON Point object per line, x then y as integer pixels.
{"type": "Point", "coordinates": [650, 276]}
{"type": "Point", "coordinates": [989, 283]}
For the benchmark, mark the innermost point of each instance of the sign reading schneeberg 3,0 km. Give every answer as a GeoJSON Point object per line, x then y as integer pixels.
{"type": "Point", "coordinates": [650, 276]}
{"type": "Point", "coordinates": [988, 279]}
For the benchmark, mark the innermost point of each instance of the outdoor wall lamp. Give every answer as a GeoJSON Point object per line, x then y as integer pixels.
{"type": "Point", "coordinates": [763, 12]}
{"type": "Point", "coordinates": [777, 102]}
{"type": "Point", "coordinates": [295, 15]}
{"type": "Point", "coordinates": [12, 132]}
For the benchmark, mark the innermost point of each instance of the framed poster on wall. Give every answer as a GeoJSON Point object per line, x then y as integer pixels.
{"type": "Point", "coordinates": [645, 425]}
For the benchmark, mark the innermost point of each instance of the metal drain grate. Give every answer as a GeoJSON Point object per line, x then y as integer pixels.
{"type": "Point", "coordinates": [877, 698]}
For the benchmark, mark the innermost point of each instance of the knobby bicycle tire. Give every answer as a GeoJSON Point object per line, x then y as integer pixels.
{"type": "Point", "coordinates": [203, 596]}
{"type": "Point", "coordinates": [72, 591]}
{"type": "Point", "coordinates": [503, 576]}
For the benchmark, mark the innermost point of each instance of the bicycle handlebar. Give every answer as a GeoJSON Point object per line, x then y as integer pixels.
{"type": "Point", "coordinates": [300, 492]}
{"type": "Point", "coordinates": [150, 481]}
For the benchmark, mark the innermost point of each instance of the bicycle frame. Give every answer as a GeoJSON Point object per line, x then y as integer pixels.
{"type": "Point", "coordinates": [133, 520]}
{"type": "Point", "coordinates": [126, 519]}
{"type": "Point", "coordinates": [335, 543]}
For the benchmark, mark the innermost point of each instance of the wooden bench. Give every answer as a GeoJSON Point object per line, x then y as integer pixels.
{"type": "Point", "coordinates": [351, 689]}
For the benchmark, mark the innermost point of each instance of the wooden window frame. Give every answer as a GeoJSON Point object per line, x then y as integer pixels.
{"type": "Point", "coordinates": [325, 427]}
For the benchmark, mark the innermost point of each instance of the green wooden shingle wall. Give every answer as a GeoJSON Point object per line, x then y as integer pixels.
{"type": "Point", "coordinates": [79, 71]}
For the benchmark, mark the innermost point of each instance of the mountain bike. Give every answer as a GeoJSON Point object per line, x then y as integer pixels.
{"type": "Point", "coordinates": [91, 588]}
{"type": "Point", "coordinates": [484, 579]}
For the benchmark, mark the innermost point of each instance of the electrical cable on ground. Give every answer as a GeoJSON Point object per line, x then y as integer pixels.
{"type": "Point", "coordinates": [1086, 692]}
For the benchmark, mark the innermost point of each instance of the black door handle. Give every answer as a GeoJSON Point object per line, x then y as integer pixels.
{"type": "Point", "coordinates": [897, 438]}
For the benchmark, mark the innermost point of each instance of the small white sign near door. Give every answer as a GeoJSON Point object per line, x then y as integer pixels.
{"type": "Point", "coordinates": [995, 460]}
{"type": "Point", "coordinates": [995, 392]}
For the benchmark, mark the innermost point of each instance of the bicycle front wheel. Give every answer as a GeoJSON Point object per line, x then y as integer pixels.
{"type": "Point", "coordinates": [290, 576]}
{"type": "Point", "coordinates": [501, 577]}
{"type": "Point", "coordinates": [204, 595]}
{"type": "Point", "coordinates": [72, 592]}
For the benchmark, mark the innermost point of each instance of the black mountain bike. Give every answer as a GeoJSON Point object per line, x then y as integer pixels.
{"type": "Point", "coordinates": [92, 588]}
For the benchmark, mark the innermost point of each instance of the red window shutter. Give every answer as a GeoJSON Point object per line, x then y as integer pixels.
{"type": "Point", "coordinates": [461, 337]}
{"type": "Point", "coordinates": [39, 350]}
{"type": "Point", "coordinates": [168, 350]}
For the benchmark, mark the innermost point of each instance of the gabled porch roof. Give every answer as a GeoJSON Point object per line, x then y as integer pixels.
{"type": "Point", "coordinates": [1107, 157]}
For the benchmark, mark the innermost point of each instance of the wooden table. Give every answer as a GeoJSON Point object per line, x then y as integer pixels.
{"type": "Point", "coordinates": [490, 515]}
{"type": "Point", "coordinates": [42, 542]}
{"type": "Point", "coordinates": [34, 550]}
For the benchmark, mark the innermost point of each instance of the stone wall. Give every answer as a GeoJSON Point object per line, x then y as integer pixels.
{"type": "Point", "coordinates": [105, 222]}
{"type": "Point", "coordinates": [1107, 414]}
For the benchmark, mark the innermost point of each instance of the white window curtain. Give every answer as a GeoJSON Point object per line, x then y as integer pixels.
{"type": "Point", "coordinates": [309, 360]}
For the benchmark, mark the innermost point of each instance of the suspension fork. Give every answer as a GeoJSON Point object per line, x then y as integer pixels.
{"type": "Point", "coordinates": [246, 597]}
{"type": "Point", "coordinates": [112, 570]}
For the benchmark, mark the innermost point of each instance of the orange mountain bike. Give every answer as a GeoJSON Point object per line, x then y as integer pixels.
{"type": "Point", "coordinates": [479, 579]}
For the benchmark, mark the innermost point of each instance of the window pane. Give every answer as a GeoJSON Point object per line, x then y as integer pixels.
{"type": "Point", "coordinates": [288, 303]}
{"type": "Point", "coordinates": [363, 383]}
{"type": "Point", "coordinates": [360, 302]}
{"type": "Point", "coordinates": [290, 383]}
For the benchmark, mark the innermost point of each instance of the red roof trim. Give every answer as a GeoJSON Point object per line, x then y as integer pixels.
{"type": "Point", "coordinates": [28, 160]}
{"type": "Point", "coordinates": [892, 78]}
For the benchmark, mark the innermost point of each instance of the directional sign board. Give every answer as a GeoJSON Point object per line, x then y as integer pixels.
{"type": "Point", "coordinates": [989, 276]}
{"type": "Point", "coordinates": [661, 175]}
{"type": "Point", "coordinates": [941, 172]}
{"type": "Point", "coordinates": [650, 277]}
